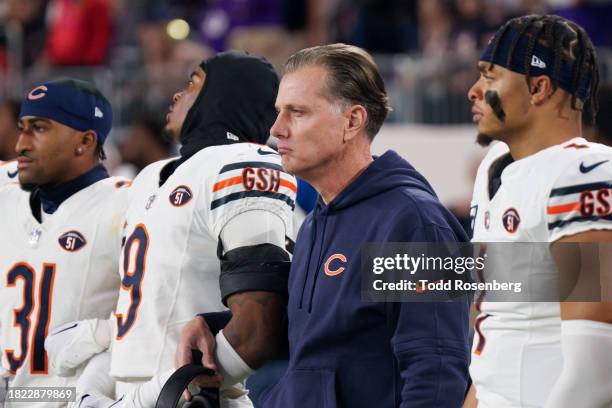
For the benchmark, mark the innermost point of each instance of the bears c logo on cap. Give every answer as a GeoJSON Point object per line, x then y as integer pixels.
{"type": "Point", "coordinates": [34, 94]}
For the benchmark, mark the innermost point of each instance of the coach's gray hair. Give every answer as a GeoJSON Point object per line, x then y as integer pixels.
{"type": "Point", "coordinates": [353, 79]}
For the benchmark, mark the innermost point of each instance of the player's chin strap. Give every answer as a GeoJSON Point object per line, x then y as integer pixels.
{"type": "Point", "coordinates": [178, 382]}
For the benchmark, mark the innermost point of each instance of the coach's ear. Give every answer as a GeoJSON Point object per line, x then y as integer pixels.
{"type": "Point", "coordinates": [541, 89]}
{"type": "Point", "coordinates": [356, 120]}
{"type": "Point", "coordinates": [87, 143]}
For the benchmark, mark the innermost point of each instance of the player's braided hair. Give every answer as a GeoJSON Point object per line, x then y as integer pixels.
{"type": "Point", "coordinates": [568, 40]}
{"type": "Point", "coordinates": [100, 153]}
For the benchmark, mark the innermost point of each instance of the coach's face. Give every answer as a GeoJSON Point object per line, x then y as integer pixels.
{"type": "Point", "coordinates": [182, 102]}
{"type": "Point", "coordinates": [309, 127]}
{"type": "Point", "coordinates": [45, 149]}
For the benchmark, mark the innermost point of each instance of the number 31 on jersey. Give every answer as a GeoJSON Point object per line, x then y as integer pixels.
{"type": "Point", "coordinates": [24, 275]}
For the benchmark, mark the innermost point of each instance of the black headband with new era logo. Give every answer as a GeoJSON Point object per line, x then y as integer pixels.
{"type": "Point", "coordinates": [540, 63]}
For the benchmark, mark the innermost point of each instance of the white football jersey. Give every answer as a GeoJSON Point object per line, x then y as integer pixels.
{"type": "Point", "coordinates": [169, 263]}
{"type": "Point", "coordinates": [559, 191]}
{"type": "Point", "coordinates": [8, 172]}
{"type": "Point", "coordinates": [8, 175]}
{"type": "Point", "coordinates": [61, 270]}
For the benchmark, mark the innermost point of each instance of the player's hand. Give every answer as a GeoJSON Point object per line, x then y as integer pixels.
{"type": "Point", "coordinates": [196, 335]}
{"type": "Point", "coordinates": [470, 399]}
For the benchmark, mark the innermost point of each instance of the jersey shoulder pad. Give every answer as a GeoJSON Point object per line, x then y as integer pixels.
{"type": "Point", "coordinates": [152, 170]}
{"type": "Point", "coordinates": [580, 198]}
{"type": "Point", "coordinates": [147, 177]}
{"type": "Point", "coordinates": [575, 149]}
{"type": "Point", "coordinates": [112, 184]}
{"type": "Point", "coordinates": [120, 182]}
{"type": "Point", "coordinates": [590, 162]}
{"type": "Point", "coordinates": [250, 175]}
{"type": "Point", "coordinates": [248, 180]}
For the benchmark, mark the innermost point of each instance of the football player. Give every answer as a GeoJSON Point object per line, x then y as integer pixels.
{"type": "Point", "coordinates": [543, 184]}
{"type": "Point", "coordinates": [206, 231]}
{"type": "Point", "coordinates": [61, 229]}
{"type": "Point", "coordinates": [9, 114]}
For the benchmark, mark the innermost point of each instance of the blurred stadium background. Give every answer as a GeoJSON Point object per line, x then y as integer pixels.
{"type": "Point", "coordinates": [139, 52]}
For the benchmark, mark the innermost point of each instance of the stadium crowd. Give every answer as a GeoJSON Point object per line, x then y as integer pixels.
{"type": "Point", "coordinates": [147, 59]}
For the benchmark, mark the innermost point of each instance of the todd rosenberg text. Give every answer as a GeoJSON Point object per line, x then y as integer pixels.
{"type": "Point", "coordinates": [423, 285]}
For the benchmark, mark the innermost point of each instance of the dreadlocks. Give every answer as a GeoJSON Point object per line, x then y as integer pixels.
{"type": "Point", "coordinates": [569, 42]}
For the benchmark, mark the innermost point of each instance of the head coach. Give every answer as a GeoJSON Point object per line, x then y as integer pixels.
{"type": "Point", "coordinates": [345, 352]}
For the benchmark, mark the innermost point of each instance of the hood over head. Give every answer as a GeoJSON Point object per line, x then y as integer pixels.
{"type": "Point", "coordinates": [236, 103]}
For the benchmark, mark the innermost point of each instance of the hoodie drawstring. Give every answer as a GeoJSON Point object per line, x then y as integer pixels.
{"type": "Point", "coordinates": [313, 238]}
{"type": "Point", "coordinates": [314, 283]}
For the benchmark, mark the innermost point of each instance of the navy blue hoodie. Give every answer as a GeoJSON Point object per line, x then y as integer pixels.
{"type": "Point", "coordinates": [349, 353]}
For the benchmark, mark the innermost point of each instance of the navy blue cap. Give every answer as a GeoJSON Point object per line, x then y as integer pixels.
{"type": "Point", "coordinates": [74, 103]}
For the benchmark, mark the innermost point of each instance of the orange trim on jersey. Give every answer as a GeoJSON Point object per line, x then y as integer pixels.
{"type": "Point", "coordinates": [576, 146]}
{"type": "Point", "coordinates": [238, 179]}
{"type": "Point", "coordinates": [482, 341]}
{"type": "Point", "coordinates": [563, 208]}
{"type": "Point", "coordinates": [4, 163]}
{"type": "Point", "coordinates": [227, 183]}
{"type": "Point", "coordinates": [289, 185]}
{"type": "Point", "coordinates": [49, 304]}
{"type": "Point", "coordinates": [123, 183]}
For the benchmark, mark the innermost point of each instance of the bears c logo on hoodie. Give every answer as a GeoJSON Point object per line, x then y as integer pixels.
{"type": "Point", "coordinates": [339, 269]}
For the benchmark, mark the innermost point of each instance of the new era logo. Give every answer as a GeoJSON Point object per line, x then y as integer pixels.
{"type": "Point", "coordinates": [536, 62]}
{"type": "Point", "coordinates": [98, 113]}
{"type": "Point", "coordinates": [232, 136]}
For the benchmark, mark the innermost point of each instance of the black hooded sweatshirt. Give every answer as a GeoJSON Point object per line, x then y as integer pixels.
{"type": "Point", "coordinates": [235, 105]}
